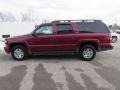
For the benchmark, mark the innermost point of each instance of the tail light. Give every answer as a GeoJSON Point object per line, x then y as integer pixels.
{"type": "Point", "coordinates": [110, 38]}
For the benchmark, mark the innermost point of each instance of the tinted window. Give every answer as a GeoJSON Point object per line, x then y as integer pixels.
{"type": "Point", "coordinates": [92, 27]}
{"type": "Point", "coordinates": [64, 28]}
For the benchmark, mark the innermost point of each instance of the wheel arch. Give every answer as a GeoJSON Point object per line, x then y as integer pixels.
{"type": "Point", "coordinates": [89, 43]}
{"type": "Point", "coordinates": [17, 43]}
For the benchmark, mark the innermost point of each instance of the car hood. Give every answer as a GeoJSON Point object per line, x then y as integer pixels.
{"type": "Point", "coordinates": [18, 38]}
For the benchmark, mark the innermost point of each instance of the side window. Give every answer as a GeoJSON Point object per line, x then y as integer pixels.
{"type": "Point", "coordinates": [44, 30]}
{"type": "Point", "coordinates": [92, 27]}
{"type": "Point", "coordinates": [64, 28]}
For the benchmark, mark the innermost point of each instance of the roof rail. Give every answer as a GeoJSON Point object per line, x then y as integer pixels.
{"type": "Point", "coordinates": [68, 21]}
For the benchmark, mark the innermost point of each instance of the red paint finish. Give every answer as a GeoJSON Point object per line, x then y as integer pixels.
{"type": "Point", "coordinates": [60, 42]}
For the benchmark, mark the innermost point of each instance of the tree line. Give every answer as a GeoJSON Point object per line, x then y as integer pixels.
{"type": "Point", "coordinates": [23, 17]}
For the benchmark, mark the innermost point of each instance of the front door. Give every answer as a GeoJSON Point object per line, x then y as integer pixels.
{"type": "Point", "coordinates": [42, 40]}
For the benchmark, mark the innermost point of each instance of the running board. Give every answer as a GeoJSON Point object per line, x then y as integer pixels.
{"type": "Point", "coordinates": [55, 53]}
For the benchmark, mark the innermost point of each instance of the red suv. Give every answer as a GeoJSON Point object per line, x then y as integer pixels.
{"type": "Point", "coordinates": [84, 37]}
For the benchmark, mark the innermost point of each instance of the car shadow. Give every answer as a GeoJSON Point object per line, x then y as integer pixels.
{"type": "Point", "coordinates": [4, 56]}
{"type": "Point", "coordinates": [54, 57]}
{"type": "Point", "coordinates": [59, 57]}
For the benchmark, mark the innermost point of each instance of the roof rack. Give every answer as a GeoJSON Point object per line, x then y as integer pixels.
{"type": "Point", "coordinates": [68, 21]}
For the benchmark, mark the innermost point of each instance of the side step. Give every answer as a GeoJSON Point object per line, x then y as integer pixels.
{"type": "Point", "coordinates": [55, 53]}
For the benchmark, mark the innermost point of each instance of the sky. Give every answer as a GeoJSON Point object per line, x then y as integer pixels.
{"type": "Point", "coordinates": [107, 10]}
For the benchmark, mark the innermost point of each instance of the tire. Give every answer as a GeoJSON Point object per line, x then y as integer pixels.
{"type": "Point", "coordinates": [114, 39]}
{"type": "Point", "coordinates": [84, 51]}
{"type": "Point", "coordinates": [19, 53]}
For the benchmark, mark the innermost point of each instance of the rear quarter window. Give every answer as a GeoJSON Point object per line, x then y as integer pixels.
{"type": "Point", "coordinates": [92, 27]}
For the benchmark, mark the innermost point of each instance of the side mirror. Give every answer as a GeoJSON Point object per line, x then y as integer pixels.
{"type": "Point", "coordinates": [33, 34]}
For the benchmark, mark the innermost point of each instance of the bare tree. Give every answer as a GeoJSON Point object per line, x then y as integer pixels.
{"type": "Point", "coordinates": [29, 15]}
{"type": "Point", "coordinates": [10, 17]}
{"type": "Point", "coordinates": [7, 17]}
{"type": "Point", "coordinates": [2, 17]}
{"type": "Point", "coordinates": [25, 17]}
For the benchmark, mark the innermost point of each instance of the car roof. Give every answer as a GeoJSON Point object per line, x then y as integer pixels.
{"type": "Point", "coordinates": [68, 21]}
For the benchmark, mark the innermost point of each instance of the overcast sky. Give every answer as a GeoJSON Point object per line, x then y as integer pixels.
{"type": "Point", "coordinates": [107, 10]}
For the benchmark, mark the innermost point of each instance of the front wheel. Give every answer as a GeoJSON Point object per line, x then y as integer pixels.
{"type": "Point", "coordinates": [87, 52]}
{"type": "Point", "coordinates": [19, 52]}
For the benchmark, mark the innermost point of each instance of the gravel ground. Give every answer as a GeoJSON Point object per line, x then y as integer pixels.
{"type": "Point", "coordinates": [61, 72]}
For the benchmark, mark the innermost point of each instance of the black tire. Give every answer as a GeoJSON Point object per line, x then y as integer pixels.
{"type": "Point", "coordinates": [23, 50]}
{"type": "Point", "coordinates": [85, 47]}
{"type": "Point", "coordinates": [114, 39]}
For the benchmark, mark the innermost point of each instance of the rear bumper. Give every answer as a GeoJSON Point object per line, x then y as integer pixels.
{"type": "Point", "coordinates": [105, 49]}
{"type": "Point", "coordinates": [7, 50]}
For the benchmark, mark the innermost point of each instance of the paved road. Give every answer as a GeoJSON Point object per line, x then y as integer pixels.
{"type": "Point", "coordinates": [61, 72]}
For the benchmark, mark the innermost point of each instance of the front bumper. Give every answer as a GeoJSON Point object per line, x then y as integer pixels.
{"type": "Point", "coordinates": [7, 50]}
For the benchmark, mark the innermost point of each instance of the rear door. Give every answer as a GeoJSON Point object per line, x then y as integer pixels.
{"type": "Point", "coordinates": [64, 39]}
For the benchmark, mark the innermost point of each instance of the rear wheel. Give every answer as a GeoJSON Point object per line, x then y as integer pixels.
{"type": "Point", "coordinates": [87, 52]}
{"type": "Point", "coordinates": [19, 53]}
